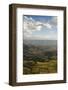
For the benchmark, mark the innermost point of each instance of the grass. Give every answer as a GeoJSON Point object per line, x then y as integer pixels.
{"type": "Point", "coordinates": [41, 67]}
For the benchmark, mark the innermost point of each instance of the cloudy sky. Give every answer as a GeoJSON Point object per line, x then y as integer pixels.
{"type": "Point", "coordinates": [40, 27]}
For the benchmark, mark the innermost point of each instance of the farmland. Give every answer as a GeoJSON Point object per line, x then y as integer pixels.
{"type": "Point", "coordinates": [39, 58]}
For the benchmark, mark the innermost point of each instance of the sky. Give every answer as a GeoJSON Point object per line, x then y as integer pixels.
{"type": "Point", "coordinates": [40, 27]}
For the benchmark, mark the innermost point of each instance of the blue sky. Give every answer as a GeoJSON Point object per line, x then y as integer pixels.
{"type": "Point", "coordinates": [40, 18]}
{"type": "Point", "coordinates": [40, 27]}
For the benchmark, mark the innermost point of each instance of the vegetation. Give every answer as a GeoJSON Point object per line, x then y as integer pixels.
{"type": "Point", "coordinates": [39, 59]}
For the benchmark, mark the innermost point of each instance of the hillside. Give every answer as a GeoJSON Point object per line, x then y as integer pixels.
{"type": "Point", "coordinates": [38, 56]}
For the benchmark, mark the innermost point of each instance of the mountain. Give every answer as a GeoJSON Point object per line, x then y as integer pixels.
{"type": "Point", "coordinates": [39, 49]}
{"type": "Point", "coordinates": [41, 42]}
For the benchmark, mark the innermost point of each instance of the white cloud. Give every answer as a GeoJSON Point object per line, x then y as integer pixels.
{"type": "Point", "coordinates": [38, 28]}
{"type": "Point", "coordinates": [48, 25]}
{"type": "Point", "coordinates": [53, 22]}
{"type": "Point", "coordinates": [30, 25]}
{"type": "Point", "coordinates": [41, 37]}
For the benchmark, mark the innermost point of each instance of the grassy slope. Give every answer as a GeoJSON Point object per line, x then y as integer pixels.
{"type": "Point", "coordinates": [42, 67]}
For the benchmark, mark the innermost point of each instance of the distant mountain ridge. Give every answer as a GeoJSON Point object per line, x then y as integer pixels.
{"type": "Point", "coordinates": [41, 42]}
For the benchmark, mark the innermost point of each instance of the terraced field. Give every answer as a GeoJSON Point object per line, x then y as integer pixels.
{"type": "Point", "coordinates": [41, 67]}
